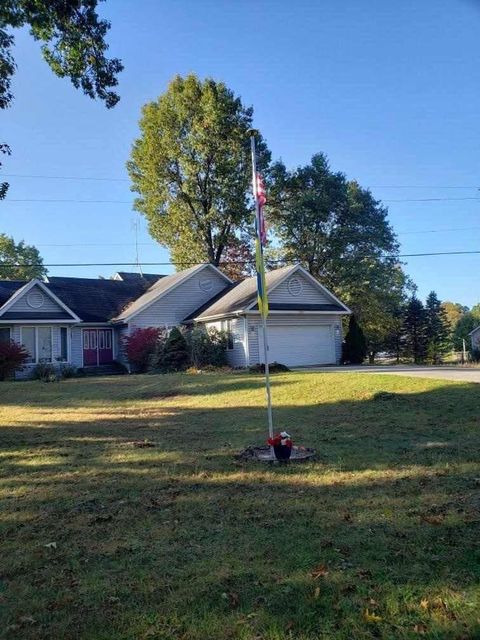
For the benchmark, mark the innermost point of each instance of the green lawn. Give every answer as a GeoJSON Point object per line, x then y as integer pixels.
{"type": "Point", "coordinates": [101, 539]}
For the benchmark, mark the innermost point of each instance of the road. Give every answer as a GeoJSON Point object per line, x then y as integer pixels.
{"type": "Point", "coordinates": [459, 374]}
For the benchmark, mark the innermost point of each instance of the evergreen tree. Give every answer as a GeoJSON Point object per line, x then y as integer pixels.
{"type": "Point", "coordinates": [437, 328]}
{"type": "Point", "coordinates": [175, 354]}
{"type": "Point", "coordinates": [415, 330]}
{"type": "Point", "coordinates": [355, 346]}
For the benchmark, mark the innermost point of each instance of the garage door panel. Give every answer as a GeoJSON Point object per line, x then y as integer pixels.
{"type": "Point", "coordinates": [298, 345]}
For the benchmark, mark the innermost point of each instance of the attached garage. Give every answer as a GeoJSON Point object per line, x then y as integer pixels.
{"type": "Point", "coordinates": [300, 345]}
{"type": "Point", "coordinates": [304, 320]}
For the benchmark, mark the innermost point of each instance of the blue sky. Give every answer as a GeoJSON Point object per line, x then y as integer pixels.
{"type": "Point", "coordinates": [389, 91]}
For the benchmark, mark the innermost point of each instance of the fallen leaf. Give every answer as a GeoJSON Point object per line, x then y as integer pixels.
{"type": "Point", "coordinates": [319, 572]}
{"type": "Point", "coordinates": [433, 519]}
{"type": "Point", "coordinates": [371, 617]}
{"type": "Point", "coordinates": [420, 628]}
{"type": "Point", "coordinates": [232, 598]}
{"type": "Point", "coordinates": [316, 594]}
{"type": "Point", "coordinates": [364, 573]}
{"type": "Point", "coordinates": [50, 545]}
{"type": "Point", "coordinates": [27, 620]}
{"type": "Point", "coordinates": [424, 603]}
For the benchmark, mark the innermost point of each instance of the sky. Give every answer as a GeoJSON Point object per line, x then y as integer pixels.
{"type": "Point", "coordinates": [390, 91]}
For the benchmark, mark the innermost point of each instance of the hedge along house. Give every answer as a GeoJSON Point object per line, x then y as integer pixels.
{"type": "Point", "coordinates": [82, 321]}
{"type": "Point", "coordinates": [304, 324]}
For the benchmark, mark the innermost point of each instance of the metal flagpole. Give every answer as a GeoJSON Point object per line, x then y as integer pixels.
{"type": "Point", "coordinates": [264, 319]}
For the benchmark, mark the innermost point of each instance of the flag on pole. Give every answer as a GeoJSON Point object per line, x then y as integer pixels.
{"type": "Point", "coordinates": [260, 242]}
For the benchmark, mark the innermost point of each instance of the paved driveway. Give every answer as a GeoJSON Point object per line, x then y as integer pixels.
{"type": "Point", "coordinates": [464, 374]}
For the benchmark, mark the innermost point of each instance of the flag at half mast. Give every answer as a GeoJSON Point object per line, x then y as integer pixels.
{"type": "Point", "coordinates": [260, 242]}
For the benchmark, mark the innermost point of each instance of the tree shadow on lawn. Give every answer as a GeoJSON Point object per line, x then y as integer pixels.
{"type": "Point", "coordinates": [126, 389]}
{"type": "Point", "coordinates": [180, 541]}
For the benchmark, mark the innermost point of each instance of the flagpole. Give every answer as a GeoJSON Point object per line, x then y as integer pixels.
{"type": "Point", "coordinates": [264, 319]}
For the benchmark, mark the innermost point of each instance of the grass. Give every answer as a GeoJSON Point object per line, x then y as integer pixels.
{"type": "Point", "coordinates": [103, 539]}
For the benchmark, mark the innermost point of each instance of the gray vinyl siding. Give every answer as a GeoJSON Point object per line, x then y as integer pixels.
{"type": "Point", "coordinates": [76, 346]}
{"type": "Point", "coordinates": [308, 294]}
{"type": "Point", "coordinates": [254, 326]}
{"type": "Point", "coordinates": [48, 306]}
{"type": "Point", "coordinates": [175, 306]}
{"type": "Point", "coordinates": [237, 357]}
{"type": "Point", "coordinates": [119, 353]}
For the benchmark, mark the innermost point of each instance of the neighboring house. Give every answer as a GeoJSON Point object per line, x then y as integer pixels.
{"type": "Point", "coordinates": [475, 338]}
{"type": "Point", "coordinates": [82, 321]}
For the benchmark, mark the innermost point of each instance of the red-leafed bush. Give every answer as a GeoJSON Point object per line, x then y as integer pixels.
{"type": "Point", "coordinates": [13, 357]}
{"type": "Point", "coordinates": [141, 345]}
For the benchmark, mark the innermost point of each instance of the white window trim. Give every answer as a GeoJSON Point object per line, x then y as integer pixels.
{"type": "Point", "coordinates": [228, 330]}
{"type": "Point", "coordinates": [35, 328]}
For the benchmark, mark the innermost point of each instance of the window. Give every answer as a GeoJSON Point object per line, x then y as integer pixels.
{"type": "Point", "coordinates": [108, 339]}
{"type": "Point", "coordinates": [227, 327]}
{"type": "Point", "coordinates": [4, 335]}
{"type": "Point", "coordinates": [38, 342]}
{"type": "Point", "coordinates": [101, 339]}
{"type": "Point", "coordinates": [63, 344]}
{"type": "Point", "coordinates": [44, 342]}
{"type": "Point", "coordinates": [29, 342]}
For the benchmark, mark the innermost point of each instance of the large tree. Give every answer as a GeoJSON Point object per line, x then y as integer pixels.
{"type": "Point", "coordinates": [415, 330]}
{"type": "Point", "coordinates": [453, 311]}
{"type": "Point", "coordinates": [341, 234]}
{"type": "Point", "coordinates": [27, 257]}
{"type": "Point", "coordinates": [467, 323]}
{"type": "Point", "coordinates": [191, 169]}
{"type": "Point", "coordinates": [73, 45]}
{"type": "Point", "coordinates": [437, 329]}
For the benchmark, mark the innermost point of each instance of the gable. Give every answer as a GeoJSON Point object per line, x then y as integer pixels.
{"type": "Point", "coordinates": [176, 304]}
{"type": "Point", "coordinates": [298, 289]}
{"type": "Point", "coordinates": [35, 303]}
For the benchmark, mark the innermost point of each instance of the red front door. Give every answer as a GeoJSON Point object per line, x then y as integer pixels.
{"type": "Point", "coordinates": [97, 347]}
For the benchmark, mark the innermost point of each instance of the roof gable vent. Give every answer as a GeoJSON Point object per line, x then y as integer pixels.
{"type": "Point", "coordinates": [35, 299]}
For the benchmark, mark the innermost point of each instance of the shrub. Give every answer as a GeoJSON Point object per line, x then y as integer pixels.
{"type": "Point", "coordinates": [140, 346]}
{"type": "Point", "coordinates": [13, 357]}
{"type": "Point", "coordinates": [45, 372]}
{"type": "Point", "coordinates": [275, 367]}
{"type": "Point", "coordinates": [354, 348]}
{"type": "Point", "coordinates": [208, 347]}
{"type": "Point", "coordinates": [68, 371]}
{"type": "Point", "coordinates": [175, 356]}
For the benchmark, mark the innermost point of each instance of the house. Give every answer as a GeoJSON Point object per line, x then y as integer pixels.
{"type": "Point", "coordinates": [82, 321]}
{"type": "Point", "coordinates": [475, 338]}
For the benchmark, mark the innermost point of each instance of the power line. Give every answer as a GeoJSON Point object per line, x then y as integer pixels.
{"type": "Point", "coordinates": [155, 244]}
{"type": "Point", "coordinates": [408, 233]}
{"type": "Point", "coordinates": [417, 186]}
{"type": "Point", "coordinates": [130, 202]}
{"type": "Point", "coordinates": [431, 199]}
{"type": "Point", "coordinates": [24, 175]}
{"type": "Point", "coordinates": [69, 200]}
{"type": "Point", "coordinates": [108, 179]}
{"type": "Point", "coordinates": [187, 264]}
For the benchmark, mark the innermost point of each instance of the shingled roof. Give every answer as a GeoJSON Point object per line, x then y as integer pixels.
{"type": "Point", "coordinates": [8, 288]}
{"type": "Point", "coordinates": [240, 296]}
{"type": "Point", "coordinates": [129, 276]}
{"type": "Point", "coordinates": [96, 300]}
{"type": "Point", "coordinates": [160, 287]}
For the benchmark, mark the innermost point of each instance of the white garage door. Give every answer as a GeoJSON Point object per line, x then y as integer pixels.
{"type": "Point", "coordinates": [299, 345]}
